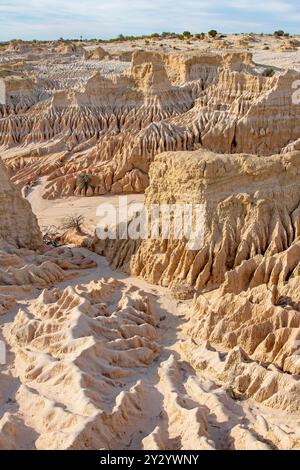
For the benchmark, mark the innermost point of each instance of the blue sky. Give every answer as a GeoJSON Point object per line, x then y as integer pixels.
{"type": "Point", "coordinates": [51, 19]}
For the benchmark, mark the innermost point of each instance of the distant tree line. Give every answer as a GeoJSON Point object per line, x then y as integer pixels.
{"type": "Point", "coordinates": [121, 37]}
{"type": "Point", "coordinates": [185, 35]}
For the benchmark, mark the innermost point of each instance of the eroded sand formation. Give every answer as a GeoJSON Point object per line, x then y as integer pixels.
{"type": "Point", "coordinates": [100, 134]}
{"type": "Point", "coordinates": [251, 221]}
{"type": "Point", "coordinates": [243, 324]}
{"type": "Point", "coordinates": [187, 349]}
{"type": "Point", "coordinates": [25, 262]}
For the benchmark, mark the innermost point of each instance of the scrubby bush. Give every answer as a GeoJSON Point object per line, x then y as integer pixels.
{"type": "Point", "coordinates": [200, 35]}
{"type": "Point", "coordinates": [268, 72]}
{"type": "Point", "coordinates": [73, 222]}
{"type": "Point", "coordinates": [212, 33]}
{"type": "Point", "coordinates": [83, 180]}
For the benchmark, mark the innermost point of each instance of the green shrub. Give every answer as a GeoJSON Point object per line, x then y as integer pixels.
{"type": "Point", "coordinates": [83, 180]}
{"type": "Point", "coordinates": [212, 33]}
{"type": "Point", "coordinates": [268, 72]}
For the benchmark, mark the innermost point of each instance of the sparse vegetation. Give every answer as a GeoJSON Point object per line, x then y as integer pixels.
{"type": "Point", "coordinates": [212, 33]}
{"type": "Point", "coordinates": [279, 33]}
{"type": "Point", "coordinates": [51, 235]}
{"type": "Point", "coordinates": [83, 180]}
{"type": "Point", "coordinates": [73, 222]}
{"type": "Point", "coordinates": [123, 38]}
{"type": "Point", "coordinates": [268, 72]}
{"type": "Point", "coordinates": [200, 35]}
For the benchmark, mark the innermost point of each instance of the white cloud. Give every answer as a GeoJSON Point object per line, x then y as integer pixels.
{"type": "Point", "coordinates": [268, 6]}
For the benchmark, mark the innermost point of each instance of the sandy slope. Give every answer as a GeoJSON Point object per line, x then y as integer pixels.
{"type": "Point", "coordinates": [104, 360]}
{"type": "Point", "coordinates": [171, 406]}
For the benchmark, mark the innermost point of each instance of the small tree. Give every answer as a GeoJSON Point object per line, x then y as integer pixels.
{"type": "Point", "coordinates": [279, 33]}
{"type": "Point", "coordinates": [73, 222]}
{"type": "Point", "coordinates": [268, 72]}
{"type": "Point", "coordinates": [200, 35]}
{"type": "Point", "coordinates": [186, 34]}
{"type": "Point", "coordinates": [83, 180]}
{"type": "Point", "coordinates": [212, 33]}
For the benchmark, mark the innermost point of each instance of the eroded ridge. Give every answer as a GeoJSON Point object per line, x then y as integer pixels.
{"type": "Point", "coordinates": [25, 263]}
{"type": "Point", "coordinates": [78, 353]}
{"type": "Point", "coordinates": [110, 128]}
{"type": "Point", "coordinates": [242, 331]}
{"type": "Point", "coordinates": [251, 222]}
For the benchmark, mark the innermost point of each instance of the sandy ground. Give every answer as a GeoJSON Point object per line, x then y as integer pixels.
{"type": "Point", "coordinates": [53, 212]}
{"type": "Point", "coordinates": [172, 316]}
{"type": "Point", "coordinates": [261, 55]}
{"type": "Point", "coordinates": [160, 416]}
{"type": "Point", "coordinates": [74, 70]}
{"type": "Point", "coordinates": [183, 408]}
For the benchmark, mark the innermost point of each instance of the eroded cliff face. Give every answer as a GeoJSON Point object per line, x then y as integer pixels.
{"type": "Point", "coordinates": [18, 226]}
{"type": "Point", "coordinates": [25, 263]}
{"type": "Point", "coordinates": [251, 221]}
{"type": "Point", "coordinates": [82, 347]}
{"type": "Point", "coordinates": [71, 375]}
{"type": "Point", "coordinates": [243, 323]}
{"type": "Point", "coordinates": [111, 128]}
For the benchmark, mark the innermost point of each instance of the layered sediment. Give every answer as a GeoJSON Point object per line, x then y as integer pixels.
{"type": "Point", "coordinates": [205, 355]}
{"type": "Point", "coordinates": [110, 128]}
{"type": "Point", "coordinates": [251, 225]}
